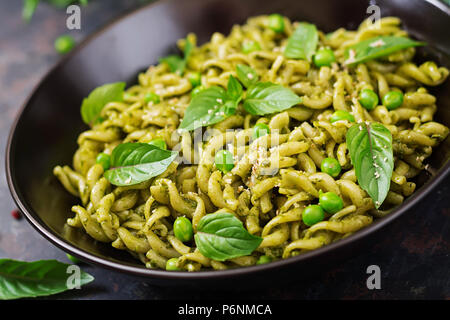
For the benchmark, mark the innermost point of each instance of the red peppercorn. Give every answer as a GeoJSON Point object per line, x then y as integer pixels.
{"type": "Point", "coordinates": [16, 214]}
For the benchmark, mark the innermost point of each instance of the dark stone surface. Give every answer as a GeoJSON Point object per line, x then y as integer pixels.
{"type": "Point", "coordinates": [412, 253]}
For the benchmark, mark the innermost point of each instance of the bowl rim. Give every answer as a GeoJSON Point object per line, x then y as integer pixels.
{"type": "Point", "coordinates": [141, 271]}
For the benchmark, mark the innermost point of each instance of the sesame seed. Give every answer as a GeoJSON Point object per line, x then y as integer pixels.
{"type": "Point", "coordinates": [351, 56]}
{"type": "Point", "coordinates": [249, 75]}
{"type": "Point", "coordinates": [378, 43]}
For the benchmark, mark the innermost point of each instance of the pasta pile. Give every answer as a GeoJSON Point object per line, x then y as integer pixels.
{"type": "Point", "coordinates": [139, 218]}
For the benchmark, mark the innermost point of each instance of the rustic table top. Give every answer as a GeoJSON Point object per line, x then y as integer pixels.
{"type": "Point", "coordinates": [413, 256]}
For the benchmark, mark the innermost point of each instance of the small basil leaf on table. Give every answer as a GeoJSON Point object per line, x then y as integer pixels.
{"type": "Point", "coordinates": [29, 7]}
{"type": "Point", "coordinates": [302, 43]}
{"type": "Point", "coordinates": [133, 163]}
{"type": "Point", "coordinates": [98, 98]}
{"type": "Point", "coordinates": [221, 236]}
{"type": "Point", "coordinates": [20, 279]}
{"type": "Point", "coordinates": [267, 97]}
{"type": "Point", "coordinates": [246, 75]}
{"type": "Point", "coordinates": [176, 63]}
{"type": "Point", "coordinates": [370, 147]}
{"type": "Point", "coordinates": [208, 107]}
{"type": "Point", "coordinates": [377, 47]}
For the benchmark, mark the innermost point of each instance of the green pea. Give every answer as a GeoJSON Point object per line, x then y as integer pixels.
{"type": "Point", "coordinates": [195, 78]}
{"type": "Point", "coordinates": [171, 265]}
{"type": "Point", "coordinates": [264, 259]}
{"type": "Point", "coordinates": [64, 44]}
{"type": "Point", "coordinates": [103, 159]}
{"type": "Point", "coordinates": [72, 258]}
{"type": "Point", "coordinates": [160, 143]}
{"type": "Point", "coordinates": [331, 166]}
{"type": "Point", "coordinates": [250, 46]}
{"type": "Point", "coordinates": [196, 91]}
{"type": "Point", "coordinates": [312, 215]}
{"type": "Point", "coordinates": [393, 99]}
{"type": "Point", "coordinates": [152, 97]}
{"type": "Point", "coordinates": [368, 99]}
{"type": "Point", "coordinates": [330, 202]}
{"type": "Point", "coordinates": [276, 22]}
{"type": "Point", "coordinates": [260, 130]}
{"type": "Point", "coordinates": [324, 57]}
{"type": "Point", "coordinates": [182, 228]}
{"type": "Point", "coordinates": [224, 161]}
{"type": "Point", "coordinates": [342, 115]}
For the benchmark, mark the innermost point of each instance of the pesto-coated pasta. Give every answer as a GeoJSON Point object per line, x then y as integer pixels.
{"type": "Point", "coordinates": [275, 176]}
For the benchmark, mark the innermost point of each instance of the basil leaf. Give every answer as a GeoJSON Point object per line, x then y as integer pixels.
{"type": "Point", "coordinates": [98, 98]}
{"type": "Point", "coordinates": [176, 63]}
{"type": "Point", "coordinates": [370, 147]}
{"type": "Point", "coordinates": [208, 107]}
{"type": "Point", "coordinates": [302, 43]}
{"type": "Point", "coordinates": [246, 75]}
{"type": "Point", "coordinates": [19, 279]}
{"type": "Point", "coordinates": [65, 3]}
{"type": "Point", "coordinates": [29, 7]}
{"type": "Point", "coordinates": [133, 163]}
{"type": "Point", "coordinates": [234, 89]}
{"type": "Point", "coordinates": [267, 97]}
{"type": "Point", "coordinates": [221, 236]}
{"type": "Point", "coordinates": [377, 47]}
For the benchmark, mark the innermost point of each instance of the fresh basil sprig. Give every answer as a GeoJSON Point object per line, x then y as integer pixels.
{"type": "Point", "coordinates": [370, 147]}
{"type": "Point", "coordinates": [176, 63]}
{"type": "Point", "coordinates": [215, 104]}
{"type": "Point", "coordinates": [133, 163]}
{"type": "Point", "coordinates": [98, 98]}
{"type": "Point", "coordinates": [302, 43]}
{"type": "Point", "coordinates": [267, 97]}
{"type": "Point", "coordinates": [20, 279]}
{"type": "Point", "coordinates": [212, 105]}
{"type": "Point", "coordinates": [246, 75]}
{"type": "Point", "coordinates": [377, 47]}
{"type": "Point", "coordinates": [221, 236]}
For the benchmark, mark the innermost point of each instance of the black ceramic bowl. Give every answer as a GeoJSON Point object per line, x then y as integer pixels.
{"type": "Point", "coordinates": [46, 130]}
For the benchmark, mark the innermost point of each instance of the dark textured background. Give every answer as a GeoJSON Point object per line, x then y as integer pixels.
{"type": "Point", "coordinates": [413, 252]}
